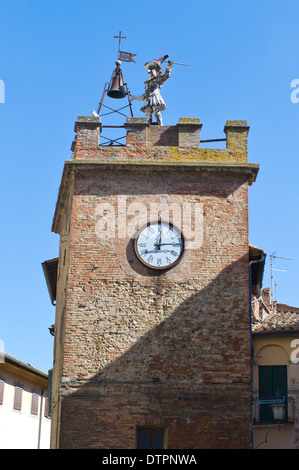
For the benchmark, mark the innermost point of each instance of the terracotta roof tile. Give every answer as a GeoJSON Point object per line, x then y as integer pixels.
{"type": "Point", "coordinates": [285, 318]}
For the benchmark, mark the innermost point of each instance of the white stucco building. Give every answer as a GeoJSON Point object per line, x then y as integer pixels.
{"type": "Point", "coordinates": [24, 419]}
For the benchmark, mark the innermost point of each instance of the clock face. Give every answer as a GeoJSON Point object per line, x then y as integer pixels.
{"type": "Point", "coordinates": [159, 245]}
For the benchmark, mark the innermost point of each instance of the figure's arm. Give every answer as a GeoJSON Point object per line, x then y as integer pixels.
{"type": "Point", "coordinates": [137, 98]}
{"type": "Point", "coordinates": [166, 75]}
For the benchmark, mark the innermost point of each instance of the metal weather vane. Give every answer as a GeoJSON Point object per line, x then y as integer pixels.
{"type": "Point", "coordinates": [125, 56]}
{"type": "Point", "coordinates": [117, 89]}
{"type": "Point", "coordinates": [153, 103]}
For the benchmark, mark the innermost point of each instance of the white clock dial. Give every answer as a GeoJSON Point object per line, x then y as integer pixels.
{"type": "Point", "coordinates": [159, 245]}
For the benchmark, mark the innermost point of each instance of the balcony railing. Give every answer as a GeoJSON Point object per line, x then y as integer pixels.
{"type": "Point", "coordinates": [262, 409]}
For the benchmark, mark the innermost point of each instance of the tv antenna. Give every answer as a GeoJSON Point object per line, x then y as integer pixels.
{"type": "Point", "coordinates": [271, 272]}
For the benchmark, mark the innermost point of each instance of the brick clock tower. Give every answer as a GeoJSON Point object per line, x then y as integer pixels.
{"type": "Point", "coordinates": [152, 330]}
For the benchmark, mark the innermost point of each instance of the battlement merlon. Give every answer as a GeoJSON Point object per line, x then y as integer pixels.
{"type": "Point", "coordinates": [237, 136]}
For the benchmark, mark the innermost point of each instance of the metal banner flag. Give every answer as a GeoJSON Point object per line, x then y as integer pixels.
{"type": "Point", "coordinates": [126, 56]}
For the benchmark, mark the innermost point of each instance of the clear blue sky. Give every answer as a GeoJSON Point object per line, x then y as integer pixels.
{"type": "Point", "coordinates": [55, 57]}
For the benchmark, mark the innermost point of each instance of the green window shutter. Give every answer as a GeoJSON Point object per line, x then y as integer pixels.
{"type": "Point", "coordinates": [272, 385]}
{"type": "Point", "coordinates": [280, 384]}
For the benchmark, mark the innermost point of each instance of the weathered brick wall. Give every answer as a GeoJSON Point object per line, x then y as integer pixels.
{"type": "Point", "coordinates": [141, 348]}
{"type": "Point", "coordinates": [61, 304]}
{"type": "Point", "coordinates": [207, 417]}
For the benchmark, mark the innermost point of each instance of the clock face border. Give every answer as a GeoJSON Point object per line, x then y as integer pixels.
{"type": "Point", "coordinates": [159, 268]}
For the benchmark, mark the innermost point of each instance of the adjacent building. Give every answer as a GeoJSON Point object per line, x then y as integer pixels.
{"type": "Point", "coordinates": [24, 413]}
{"type": "Point", "coordinates": [275, 337]}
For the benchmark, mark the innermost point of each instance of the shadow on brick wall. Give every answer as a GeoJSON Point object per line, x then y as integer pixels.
{"type": "Point", "coordinates": [188, 370]}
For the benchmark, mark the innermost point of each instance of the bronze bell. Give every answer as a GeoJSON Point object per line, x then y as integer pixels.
{"type": "Point", "coordinates": [117, 89]}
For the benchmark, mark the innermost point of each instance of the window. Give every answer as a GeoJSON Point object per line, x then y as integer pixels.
{"type": "Point", "coordinates": [150, 438]}
{"type": "Point", "coordinates": [272, 386]}
{"type": "Point", "coordinates": [46, 411]}
{"type": "Point", "coordinates": [34, 403]}
{"type": "Point", "coordinates": [18, 398]}
{"type": "Point", "coordinates": [261, 313]}
{"type": "Point", "coordinates": [50, 376]}
{"type": "Point", "coordinates": [1, 391]}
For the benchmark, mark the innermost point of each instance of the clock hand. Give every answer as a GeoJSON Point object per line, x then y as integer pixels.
{"type": "Point", "coordinates": [158, 243]}
{"type": "Point", "coordinates": [172, 244]}
{"type": "Point", "coordinates": [145, 252]}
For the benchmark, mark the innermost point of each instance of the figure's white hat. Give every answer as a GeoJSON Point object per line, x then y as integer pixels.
{"type": "Point", "coordinates": [154, 64]}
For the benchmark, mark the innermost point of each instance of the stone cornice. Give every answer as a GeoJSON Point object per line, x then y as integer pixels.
{"type": "Point", "coordinates": [73, 166]}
